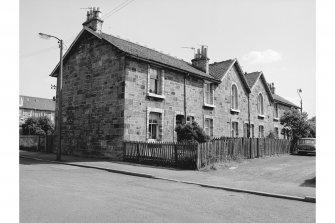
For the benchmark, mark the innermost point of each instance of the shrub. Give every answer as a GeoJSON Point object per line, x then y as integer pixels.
{"type": "Point", "coordinates": [38, 126]}
{"type": "Point", "coordinates": [191, 132]}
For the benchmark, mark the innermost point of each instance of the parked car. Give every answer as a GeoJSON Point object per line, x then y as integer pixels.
{"type": "Point", "coordinates": [306, 145]}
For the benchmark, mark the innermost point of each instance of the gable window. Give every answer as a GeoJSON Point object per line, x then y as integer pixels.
{"type": "Point", "coordinates": [154, 124]}
{"type": "Point", "coordinates": [234, 129]}
{"type": "Point", "coordinates": [209, 128]}
{"type": "Point", "coordinates": [276, 111]}
{"type": "Point", "coordinates": [260, 104]}
{"type": "Point", "coordinates": [209, 94]}
{"type": "Point", "coordinates": [261, 131]}
{"type": "Point", "coordinates": [234, 97]}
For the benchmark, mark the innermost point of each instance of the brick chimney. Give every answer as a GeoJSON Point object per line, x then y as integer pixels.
{"type": "Point", "coordinates": [94, 20]}
{"type": "Point", "coordinates": [272, 88]}
{"type": "Point", "coordinates": [201, 61]}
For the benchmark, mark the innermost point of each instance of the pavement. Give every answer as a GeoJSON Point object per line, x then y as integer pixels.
{"type": "Point", "coordinates": [53, 193]}
{"type": "Point", "coordinates": [286, 176]}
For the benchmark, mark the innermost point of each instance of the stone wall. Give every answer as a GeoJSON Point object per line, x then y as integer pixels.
{"type": "Point", "coordinates": [223, 115]}
{"type": "Point", "coordinates": [138, 105]}
{"type": "Point", "coordinates": [93, 99]}
{"type": "Point", "coordinates": [267, 121]}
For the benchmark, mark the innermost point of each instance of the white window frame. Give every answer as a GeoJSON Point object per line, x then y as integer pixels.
{"type": "Point", "coordinates": [160, 85]}
{"type": "Point", "coordinates": [234, 98]}
{"type": "Point", "coordinates": [209, 130]}
{"type": "Point", "coordinates": [261, 133]}
{"type": "Point", "coordinates": [210, 96]}
{"type": "Point", "coordinates": [160, 125]}
{"type": "Point", "coordinates": [260, 105]}
{"type": "Point", "coordinates": [276, 112]}
{"type": "Point", "coordinates": [234, 132]}
{"type": "Point", "coordinates": [154, 123]}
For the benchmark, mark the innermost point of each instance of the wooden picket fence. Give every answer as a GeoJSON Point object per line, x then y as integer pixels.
{"type": "Point", "coordinates": [197, 156]}
{"type": "Point", "coordinates": [225, 149]}
{"type": "Point", "coordinates": [180, 155]}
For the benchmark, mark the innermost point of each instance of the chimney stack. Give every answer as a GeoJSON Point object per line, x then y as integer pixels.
{"type": "Point", "coordinates": [272, 88]}
{"type": "Point", "coordinates": [93, 20]}
{"type": "Point", "coordinates": [201, 61]}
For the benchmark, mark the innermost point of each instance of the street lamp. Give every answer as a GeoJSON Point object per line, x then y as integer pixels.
{"type": "Point", "coordinates": [59, 90]}
{"type": "Point", "coordinates": [300, 91]}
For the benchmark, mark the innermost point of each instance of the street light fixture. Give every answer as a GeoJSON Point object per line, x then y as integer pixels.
{"type": "Point", "coordinates": [59, 90]}
{"type": "Point", "coordinates": [300, 91]}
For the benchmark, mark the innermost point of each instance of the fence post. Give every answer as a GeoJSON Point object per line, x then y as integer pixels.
{"type": "Point", "coordinates": [45, 143]}
{"type": "Point", "coordinates": [38, 143]}
{"type": "Point", "coordinates": [198, 157]}
{"type": "Point", "coordinates": [138, 151]}
{"type": "Point", "coordinates": [175, 155]}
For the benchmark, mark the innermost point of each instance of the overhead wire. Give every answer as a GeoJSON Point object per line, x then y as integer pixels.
{"type": "Point", "coordinates": [117, 8]}
{"type": "Point", "coordinates": [108, 14]}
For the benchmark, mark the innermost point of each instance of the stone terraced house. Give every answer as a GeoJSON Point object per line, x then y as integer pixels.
{"type": "Point", "coordinates": [116, 90]}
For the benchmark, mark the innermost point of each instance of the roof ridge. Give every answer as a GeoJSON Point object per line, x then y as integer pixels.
{"type": "Point", "coordinates": [215, 63]}
{"type": "Point", "coordinates": [161, 52]}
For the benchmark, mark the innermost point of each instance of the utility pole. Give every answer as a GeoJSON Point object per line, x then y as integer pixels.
{"type": "Point", "coordinates": [59, 91]}
{"type": "Point", "coordinates": [300, 91]}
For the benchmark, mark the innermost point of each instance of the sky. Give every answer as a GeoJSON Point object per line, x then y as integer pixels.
{"type": "Point", "coordinates": [273, 36]}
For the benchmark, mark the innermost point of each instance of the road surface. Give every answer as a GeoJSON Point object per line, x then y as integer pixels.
{"type": "Point", "coordinates": [59, 193]}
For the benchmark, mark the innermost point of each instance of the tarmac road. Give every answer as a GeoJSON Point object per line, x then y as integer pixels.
{"type": "Point", "coordinates": [59, 193]}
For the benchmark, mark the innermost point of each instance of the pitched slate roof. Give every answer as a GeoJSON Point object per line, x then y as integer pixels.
{"type": "Point", "coordinates": [252, 78]}
{"type": "Point", "coordinates": [219, 69]}
{"type": "Point", "coordinates": [152, 55]}
{"type": "Point", "coordinates": [145, 53]}
{"type": "Point", "coordinates": [37, 103]}
{"type": "Point", "coordinates": [282, 100]}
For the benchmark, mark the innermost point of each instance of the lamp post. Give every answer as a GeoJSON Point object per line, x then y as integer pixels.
{"type": "Point", "coordinates": [59, 90]}
{"type": "Point", "coordinates": [300, 91]}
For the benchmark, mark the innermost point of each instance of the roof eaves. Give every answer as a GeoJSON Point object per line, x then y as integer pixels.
{"type": "Point", "coordinates": [174, 68]}
{"type": "Point", "coordinates": [266, 86]}
{"type": "Point", "coordinates": [242, 75]}
{"type": "Point", "coordinates": [286, 103]}
{"type": "Point", "coordinates": [72, 44]}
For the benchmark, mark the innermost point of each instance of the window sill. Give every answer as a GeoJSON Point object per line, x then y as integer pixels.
{"type": "Point", "coordinates": [276, 119]}
{"type": "Point", "coordinates": [234, 110]}
{"type": "Point", "coordinates": [209, 105]}
{"type": "Point", "coordinates": [261, 116]}
{"type": "Point", "coordinates": [155, 95]}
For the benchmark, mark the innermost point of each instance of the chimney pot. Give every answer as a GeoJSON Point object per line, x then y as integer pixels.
{"type": "Point", "coordinates": [94, 21]}
{"type": "Point", "coordinates": [200, 60]}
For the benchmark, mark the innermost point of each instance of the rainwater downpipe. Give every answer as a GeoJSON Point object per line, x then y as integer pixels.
{"type": "Point", "coordinates": [185, 105]}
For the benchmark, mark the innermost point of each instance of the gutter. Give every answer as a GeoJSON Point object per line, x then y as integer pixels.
{"type": "Point", "coordinates": [173, 68]}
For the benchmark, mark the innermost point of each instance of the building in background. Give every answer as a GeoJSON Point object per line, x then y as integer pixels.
{"type": "Point", "coordinates": [36, 107]}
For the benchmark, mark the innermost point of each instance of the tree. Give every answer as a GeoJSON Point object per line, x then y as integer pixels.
{"type": "Point", "coordinates": [37, 126]}
{"type": "Point", "coordinates": [295, 125]}
{"type": "Point", "coordinates": [191, 132]}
